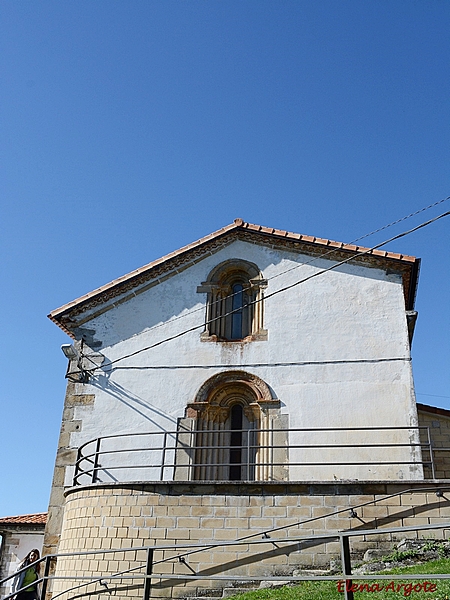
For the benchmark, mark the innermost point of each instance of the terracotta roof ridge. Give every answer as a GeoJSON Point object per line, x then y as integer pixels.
{"type": "Point", "coordinates": [28, 519]}
{"type": "Point", "coordinates": [144, 268]}
{"type": "Point", "coordinates": [238, 224]}
{"type": "Point", "coordinates": [324, 241]}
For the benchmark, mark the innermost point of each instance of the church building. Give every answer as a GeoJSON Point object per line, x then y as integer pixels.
{"type": "Point", "coordinates": [232, 386]}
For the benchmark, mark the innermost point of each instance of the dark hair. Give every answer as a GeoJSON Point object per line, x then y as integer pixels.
{"type": "Point", "coordinates": [26, 561]}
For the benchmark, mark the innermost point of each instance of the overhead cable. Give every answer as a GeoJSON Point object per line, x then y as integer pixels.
{"type": "Point", "coordinates": [305, 263]}
{"type": "Point", "coordinates": [364, 252]}
{"type": "Point", "coordinates": [301, 363]}
{"type": "Point", "coordinates": [279, 291]}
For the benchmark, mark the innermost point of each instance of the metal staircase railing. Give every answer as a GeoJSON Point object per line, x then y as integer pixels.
{"type": "Point", "coordinates": [145, 572]}
{"type": "Point", "coordinates": [148, 574]}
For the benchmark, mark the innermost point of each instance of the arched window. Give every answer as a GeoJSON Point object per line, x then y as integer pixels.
{"type": "Point", "coordinates": [226, 439]}
{"type": "Point", "coordinates": [239, 329]}
{"type": "Point", "coordinates": [233, 431]}
{"type": "Point", "coordinates": [236, 442]}
{"type": "Point", "coordinates": [234, 303]}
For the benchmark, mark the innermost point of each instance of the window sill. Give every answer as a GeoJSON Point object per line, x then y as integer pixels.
{"type": "Point", "coordinates": [260, 336]}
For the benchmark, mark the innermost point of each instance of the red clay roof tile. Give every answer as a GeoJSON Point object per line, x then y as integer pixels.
{"type": "Point", "coordinates": [33, 519]}
{"type": "Point", "coordinates": [237, 225]}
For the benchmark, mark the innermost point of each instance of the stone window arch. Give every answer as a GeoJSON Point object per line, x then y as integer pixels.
{"type": "Point", "coordinates": [233, 431]}
{"type": "Point", "coordinates": [234, 307]}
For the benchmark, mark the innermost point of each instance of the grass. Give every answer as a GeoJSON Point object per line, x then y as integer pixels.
{"type": "Point", "coordinates": [327, 590]}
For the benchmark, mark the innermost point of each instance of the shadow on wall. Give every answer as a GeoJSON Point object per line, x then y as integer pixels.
{"type": "Point", "coordinates": [178, 301]}
{"type": "Point", "coordinates": [133, 401]}
{"type": "Point", "coordinates": [158, 306]}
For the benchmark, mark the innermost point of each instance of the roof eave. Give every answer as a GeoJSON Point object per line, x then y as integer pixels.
{"type": "Point", "coordinates": [58, 315]}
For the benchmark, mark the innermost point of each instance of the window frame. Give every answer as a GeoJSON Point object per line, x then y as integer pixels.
{"type": "Point", "coordinates": [203, 441]}
{"type": "Point", "coordinates": [221, 322]}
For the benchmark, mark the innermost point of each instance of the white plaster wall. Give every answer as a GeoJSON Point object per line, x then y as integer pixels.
{"type": "Point", "coordinates": [343, 327]}
{"type": "Point", "coordinates": [15, 547]}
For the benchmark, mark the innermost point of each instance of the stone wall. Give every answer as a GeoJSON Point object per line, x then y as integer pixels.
{"type": "Point", "coordinates": [115, 517]}
{"type": "Point", "coordinates": [65, 459]}
{"type": "Point", "coordinates": [438, 422]}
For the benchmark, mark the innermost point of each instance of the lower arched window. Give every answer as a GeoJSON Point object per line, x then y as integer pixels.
{"type": "Point", "coordinates": [232, 432]}
{"type": "Point", "coordinates": [237, 435]}
{"type": "Point", "coordinates": [226, 444]}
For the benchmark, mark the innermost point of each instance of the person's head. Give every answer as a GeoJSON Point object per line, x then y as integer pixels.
{"type": "Point", "coordinates": [32, 556]}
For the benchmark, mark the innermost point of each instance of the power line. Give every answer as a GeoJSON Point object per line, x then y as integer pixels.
{"type": "Point", "coordinates": [343, 262]}
{"type": "Point", "coordinates": [306, 363]}
{"type": "Point", "coordinates": [413, 214]}
{"type": "Point", "coordinates": [321, 272]}
{"type": "Point", "coordinates": [335, 266]}
{"type": "Point", "coordinates": [304, 264]}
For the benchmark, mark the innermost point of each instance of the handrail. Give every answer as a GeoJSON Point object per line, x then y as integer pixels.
{"type": "Point", "coordinates": [44, 579]}
{"type": "Point", "coordinates": [438, 490]}
{"type": "Point", "coordinates": [342, 536]}
{"type": "Point", "coordinates": [178, 432]}
{"type": "Point", "coordinates": [174, 452]}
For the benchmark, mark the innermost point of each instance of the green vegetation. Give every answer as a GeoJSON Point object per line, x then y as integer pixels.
{"type": "Point", "coordinates": [327, 590]}
{"type": "Point", "coordinates": [440, 548]}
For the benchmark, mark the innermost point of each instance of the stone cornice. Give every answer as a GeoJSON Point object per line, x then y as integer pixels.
{"type": "Point", "coordinates": [120, 290]}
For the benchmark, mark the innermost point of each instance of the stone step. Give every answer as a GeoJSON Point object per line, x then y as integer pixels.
{"type": "Point", "coordinates": [215, 594]}
{"type": "Point", "coordinates": [229, 589]}
{"type": "Point", "coordinates": [234, 591]}
{"type": "Point", "coordinates": [218, 597]}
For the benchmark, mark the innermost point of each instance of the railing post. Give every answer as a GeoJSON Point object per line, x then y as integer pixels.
{"type": "Point", "coordinates": [77, 467]}
{"type": "Point", "coordinates": [430, 446]}
{"type": "Point", "coordinates": [270, 451]}
{"type": "Point", "coordinates": [248, 454]}
{"type": "Point", "coordinates": [346, 566]}
{"type": "Point", "coordinates": [45, 577]}
{"type": "Point", "coordinates": [96, 461]}
{"type": "Point", "coordinates": [148, 572]}
{"type": "Point", "coordinates": [192, 454]}
{"type": "Point", "coordinates": [163, 457]}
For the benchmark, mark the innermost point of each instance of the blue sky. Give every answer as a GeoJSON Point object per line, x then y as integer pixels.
{"type": "Point", "coordinates": [129, 129]}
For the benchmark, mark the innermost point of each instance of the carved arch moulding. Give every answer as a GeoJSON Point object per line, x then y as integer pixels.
{"type": "Point", "coordinates": [217, 443]}
{"type": "Point", "coordinates": [235, 302]}
{"type": "Point", "coordinates": [220, 391]}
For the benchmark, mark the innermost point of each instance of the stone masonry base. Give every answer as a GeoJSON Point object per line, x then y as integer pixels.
{"type": "Point", "coordinates": [105, 517]}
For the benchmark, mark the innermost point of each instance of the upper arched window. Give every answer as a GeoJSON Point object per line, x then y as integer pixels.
{"type": "Point", "coordinates": [235, 302]}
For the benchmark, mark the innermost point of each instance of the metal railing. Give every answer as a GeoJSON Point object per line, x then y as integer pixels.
{"type": "Point", "coordinates": [261, 455]}
{"type": "Point", "coordinates": [144, 571]}
{"type": "Point", "coordinates": [190, 550]}
{"type": "Point", "coordinates": [42, 581]}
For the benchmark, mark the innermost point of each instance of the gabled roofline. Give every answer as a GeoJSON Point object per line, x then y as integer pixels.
{"type": "Point", "coordinates": [30, 519]}
{"type": "Point", "coordinates": [444, 412]}
{"type": "Point", "coordinates": [135, 278]}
